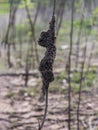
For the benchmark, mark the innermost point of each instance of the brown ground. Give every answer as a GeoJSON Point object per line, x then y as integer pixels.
{"type": "Point", "coordinates": [23, 112]}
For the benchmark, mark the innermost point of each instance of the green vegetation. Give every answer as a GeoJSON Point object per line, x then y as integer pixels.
{"type": "Point", "coordinates": [87, 81]}
{"type": "Point", "coordinates": [30, 4]}
{"type": "Point", "coordinates": [5, 5]}
{"type": "Point", "coordinates": [58, 87]}
{"type": "Point", "coordinates": [4, 8]}
{"type": "Point", "coordinates": [30, 91]}
{"type": "Point", "coordinates": [10, 95]}
{"type": "Point", "coordinates": [25, 30]}
{"type": "Point", "coordinates": [95, 16]}
{"type": "Point", "coordinates": [21, 92]}
{"type": "Point", "coordinates": [33, 91]}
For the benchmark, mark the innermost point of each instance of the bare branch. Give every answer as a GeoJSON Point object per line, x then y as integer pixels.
{"type": "Point", "coordinates": [80, 87]}
{"type": "Point", "coordinates": [69, 66]}
{"type": "Point", "coordinates": [32, 24]}
{"type": "Point", "coordinates": [60, 16]}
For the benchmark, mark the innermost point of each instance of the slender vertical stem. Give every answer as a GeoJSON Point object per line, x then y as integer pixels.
{"type": "Point", "coordinates": [91, 56]}
{"type": "Point", "coordinates": [54, 7]}
{"type": "Point", "coordinates": [69, 67]}
{"type": "Point", "coordinates": [32, 24]}
{"type": "Point", "coordinates": [45, 112]}
{"type": "Point", "coordinates": [80, 88]}
{"type": "Point", "coordinates": [27, 67]}
{"type": "Point", "coordinates": [62, 7]}
{"type": "Point", "coordinates": [78, 42]}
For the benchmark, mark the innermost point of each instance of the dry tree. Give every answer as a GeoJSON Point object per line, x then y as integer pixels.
{"type": "Point", "coordinates": [9, 38]}
{"type": "Point", "coordinates": [32, 26]}
{"type": "Point", "coordinates": [47, 39]}
{"type": "Point", "coordinates": [68, 65]}
{"type": "Point", "coordinates": [80, 87]}
{"type": "Point", "coordinates": [60, 13]}
{"type": "Point", "coordinates": [78, 41]}
{"type": "Point", "coordinates": [32, 38]}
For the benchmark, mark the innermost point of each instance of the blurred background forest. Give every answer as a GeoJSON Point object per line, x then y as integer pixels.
{"type": "Point", "coordinates": [75, 67]}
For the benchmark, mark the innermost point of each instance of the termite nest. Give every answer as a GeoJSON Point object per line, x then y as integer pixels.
{"type": "Point", "coordinates": [47, 40]}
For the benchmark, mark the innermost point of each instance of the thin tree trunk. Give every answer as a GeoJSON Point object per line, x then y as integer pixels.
{"type": "Point", "coordinates": [32, 24]}
{"type": "Point", "coordinates": [62, 7]}
{"type": "Point", "coordinates": [69, 67]}
{"type": "Point", "coordinates": [80, 89]}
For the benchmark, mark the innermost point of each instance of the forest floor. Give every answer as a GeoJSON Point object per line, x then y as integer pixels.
{"type": "Point", "coordinates": [21, 111]}
{"type": "Point", "coordinates": [20, 108]}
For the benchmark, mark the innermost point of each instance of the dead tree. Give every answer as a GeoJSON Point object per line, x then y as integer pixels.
{"type": "Point", "coordinates": [32, 26]}
{"type": "Point", "coordinates": [60, 13]}
{"type": "Point", "coordinates": [10, 34]}
{"type": "Point", "coordinates": [31, 48]}
{"type": "Point", "coordinates": [69, 65]}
